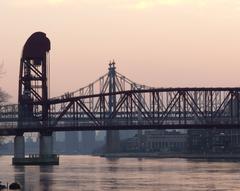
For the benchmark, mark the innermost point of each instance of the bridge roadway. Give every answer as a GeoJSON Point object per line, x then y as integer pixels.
{"type": "Point", "coordinates": [154, 108]}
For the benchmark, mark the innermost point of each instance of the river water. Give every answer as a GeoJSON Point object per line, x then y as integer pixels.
{"type": "Point", "coordinates": [88, 173]}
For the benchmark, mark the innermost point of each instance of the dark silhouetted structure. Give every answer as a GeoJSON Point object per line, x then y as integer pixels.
{"type": "Point", "coordinates": [112, 103]}
{"type": "Point", "coordinates": [33, 87]}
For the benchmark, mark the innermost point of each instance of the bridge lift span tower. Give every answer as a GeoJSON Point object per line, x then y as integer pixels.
{"type": "Point", "coordinates": [33, 87]}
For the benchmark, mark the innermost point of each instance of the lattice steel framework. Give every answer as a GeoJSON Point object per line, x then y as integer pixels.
{"type": "Point", "coordinates": [151, 108]}
{"type": "Point", "coordinates": [100, 106]}
{"type": "Point", "coordinates": [33, 85]}
{"type": "Point", "coordinates": [140, 107]}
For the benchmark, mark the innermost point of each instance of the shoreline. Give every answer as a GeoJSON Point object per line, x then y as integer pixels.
{"type": "Point", "coordinates": [172, 155]}
{"type": "Point", "coordinates": [161, 156]}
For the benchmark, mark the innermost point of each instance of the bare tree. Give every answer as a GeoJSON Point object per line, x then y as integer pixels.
{"type": "Point", "coordinates": [3, 100]}
{"type": "Point", "coordinates": [3, 97]}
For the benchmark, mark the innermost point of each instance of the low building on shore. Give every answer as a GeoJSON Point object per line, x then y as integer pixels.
{"type": "Point", "coordinates": [214, 141]}
{"type": "Point", "coordinates": [157, 141]}
{"type": "Point", "coordinates": [165, 141]}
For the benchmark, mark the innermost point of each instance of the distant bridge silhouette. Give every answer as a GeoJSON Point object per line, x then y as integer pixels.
{"type": "Point", "coordinates": [112, 102]}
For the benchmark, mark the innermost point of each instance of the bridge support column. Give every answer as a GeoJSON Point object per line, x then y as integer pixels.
{"type": "Point", "coordinates": [45, 157]}
{"type": "Point", "coordinates": [112, 137]}
{"type": "Point", "coordinates": [46, 145]}
{"type": "Point", "coordinates": [19, 146]}
{"type": "Point", "coordinates": [112, 141]}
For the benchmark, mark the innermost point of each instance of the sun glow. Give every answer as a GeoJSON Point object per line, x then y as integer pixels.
{"type": "Point", "coordinates": [55, 1]}
{"type": "Point", "coordinates": [144, 4]}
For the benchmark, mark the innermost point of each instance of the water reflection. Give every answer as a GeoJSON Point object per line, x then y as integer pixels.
{"type": "Point", "coordinates": [45, 177]}
{"type": "Point", "coordinates": [20, 176]}
{"type": "Point", "coordinates": [94, 173]}
{"type": "Point", "coordinates": [112, 160]}
{"type": "Point", "coordinates": [34, 178]}
{"type": "Point", "coordinates": [112, 169]}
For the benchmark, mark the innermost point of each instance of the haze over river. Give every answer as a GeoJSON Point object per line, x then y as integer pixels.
{"type": "Point", "coordinates": [90, 173]}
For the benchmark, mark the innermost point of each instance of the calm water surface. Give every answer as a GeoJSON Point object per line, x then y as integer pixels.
{"type": "Point", "coordinates": [89, 173]}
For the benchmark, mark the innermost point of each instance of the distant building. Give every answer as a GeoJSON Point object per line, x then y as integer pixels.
{"type": "Point", "coordinates": [165, 141]}
{"type": "Point", "coordinates": [130, 144]}
{"type": "Point", "coordinates": [214, 141]}
{"type": "Point", "coordinates": [31, 146]}
{"type": "Point", "coordinates": [156, 141]}
{"type": "Point", "coordinates": [72, 142]}
{"type": "Point", "coordinates": [100, 136]}
{"type": "Point", "coordinates": [125, 134]}
{"type": "Point", "coordinates": [6, 148]}
{"type": "Point", "coordinates": [88, 142]}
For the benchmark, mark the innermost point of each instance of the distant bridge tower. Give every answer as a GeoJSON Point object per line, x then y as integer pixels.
{"type": "Point", "coordinates": [33, 87]}
{"type": "Point", "coordinates": [112, 137]}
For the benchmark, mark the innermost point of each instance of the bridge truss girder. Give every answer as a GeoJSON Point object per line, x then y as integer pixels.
{"type": "Point", "coordinates": [153, 107]}
{"type": "Point", "coordinates": [165, 108]}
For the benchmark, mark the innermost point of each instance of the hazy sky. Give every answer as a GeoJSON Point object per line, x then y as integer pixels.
{"type": "Point", "coordinates": [160, 43]}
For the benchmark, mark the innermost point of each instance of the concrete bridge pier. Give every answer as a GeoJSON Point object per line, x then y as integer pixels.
{"type": "Point", "coordinates": [112, 141]}
{"type": "Point", "coordinates": [19, 146]}
{"type": "Point", "coordinates": [45, 157]}
{"type": "Point", "coordinates": [46, 145]}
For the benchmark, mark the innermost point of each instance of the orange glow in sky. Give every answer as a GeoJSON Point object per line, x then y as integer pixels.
{"type": "Point", "coordinates": [162, 43]}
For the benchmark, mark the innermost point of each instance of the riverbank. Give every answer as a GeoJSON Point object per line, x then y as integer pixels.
{"type": "Point", "coordinates": [172, 155]}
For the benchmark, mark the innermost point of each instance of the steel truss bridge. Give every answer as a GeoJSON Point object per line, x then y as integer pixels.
{"type": "Point", "coordinates": [113, 102]}
{"type": "Point", "coordinates": [136, 107]}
